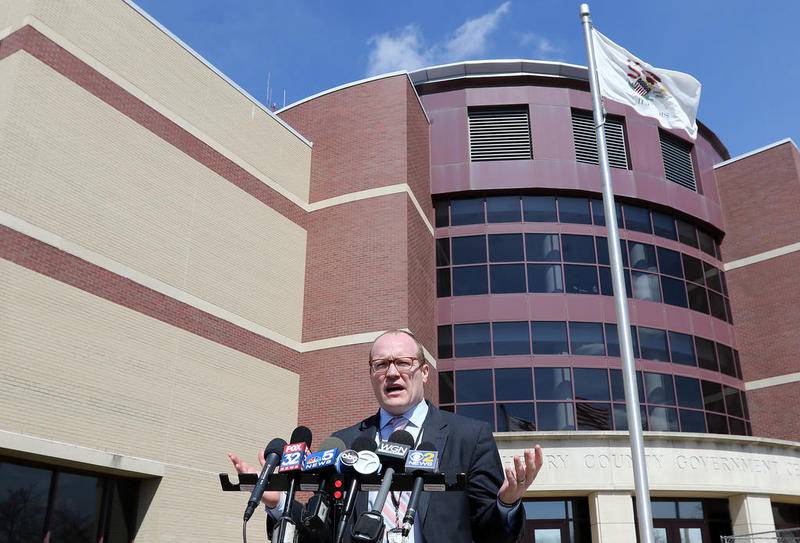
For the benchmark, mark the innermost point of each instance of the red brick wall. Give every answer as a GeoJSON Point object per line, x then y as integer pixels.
{"type": "Point", "coordinates": [760, 198]}
{"type": "Point", "coordinates": [765, 300]}
{"type": "Point", "coordinates": [418, 145]}
{"type": "Point", "coordinates": [359, 136]}
{"type": "Point", "coordinates": [774, 413]}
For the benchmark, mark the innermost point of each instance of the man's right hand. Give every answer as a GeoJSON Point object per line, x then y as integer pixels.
{"type": "Point", "coordinates": [269, 498]}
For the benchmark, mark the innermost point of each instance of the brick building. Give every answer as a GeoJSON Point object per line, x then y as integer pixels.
{"type": "Point", "coordinates": [186, 273]}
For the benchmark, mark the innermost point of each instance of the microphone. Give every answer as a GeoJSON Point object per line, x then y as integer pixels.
{"type": "Point", "coordinates": [272, 455]}
{"type": "Point", "coordinates": [291, 463]}
{"type": "Point", "coordinates": [392, 452]}
{"type": "Point", "coordinates": [424, 459]}
{"type": "Point", "coordinates": [316, 514]}
{"type": "Point", "coordinates": [360, 460]}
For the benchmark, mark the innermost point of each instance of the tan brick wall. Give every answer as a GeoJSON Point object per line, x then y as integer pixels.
{"type": "Point", "coordinates": [82, 370]}
{"type": "Point", "coordinates": [80, 169]}
{"type": "Point", "coordinates": [125, 42]}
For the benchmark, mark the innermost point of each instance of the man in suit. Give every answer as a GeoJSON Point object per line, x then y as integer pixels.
{"type": "Point", "coordinates": [490, 509]}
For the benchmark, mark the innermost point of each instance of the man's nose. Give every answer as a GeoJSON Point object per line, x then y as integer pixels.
{"type": "Point", "coordinates": [392, 370]}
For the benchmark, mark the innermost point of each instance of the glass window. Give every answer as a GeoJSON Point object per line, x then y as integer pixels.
{"type": "Point", "coordinates": [602, 251]}
{"type": "Point", "coordinates": [468, 211]}
{"type": "Point", "coordinates": [442, 213]}
{"type": "Point", "coordinates": [581, 279]}
{"type": "Point", "coordinates": [606, 284]}
{"type": "Point", "coordinates": [511, 338]}
{"type": "Point", "coordinates": [474, 386]}
{"type": "Point", "coordinates": [669, 262]}
{"type": "Point", "coordinates": [443, 282]}
{"type": "Point", "coordinates": [664, 226]}
{"type": "Point", "coordinates": [507, 278]}
{"type": "Point", "coordinates": [732, 401]}
{"type": "Point", "coordinates": [484, 413]}
{"type": "Point", "coordinates": [681, 348]}
{"type": "Point", "coordinates": [664, 509]}
{"type": "Point", "coordinates": [545, 510]}
{"type": "Point", "coordinates": [591, 384]}
{"type": "Point", "coordinates": [555, 416]}
{"type": "Point", "coordinates": [469, 249]}
{"type": "Point", "coordinates": [586, 338]}
{"type": "Point", "coordinates": [712, 277]}
{"type": "Point", "coordinates": [693, 269]}
{"type": "Point", "coordinates": [513, 384]}
{"type": "Point", "coordinates": [545, 278]}
{"type": "Point", "coordinates": [688, 391]}
{"type": "Point", "coordinates": [706, 357]}
{"type": "Point", "coordinates": [621, 417]}
{"type": "Point", "coordinates": [725, 357]}
{"type": "Point", "coordinates": [445, 335]}
{"type": "Point", "coordinates": [542, 248]}
{"type": "Point", "coordinates": [598, 212]}
{"type": "Point", "coordinates": [539, 208]}
{"type": "Point", "coordinates": [712, 396]}
{"type": "Point", "coordinates": [686, 233]}
{"type": "Point", "coordinates": [692, 421]}
{"type": "Point", "coordinates": [716, 305]}
{"type": "Point", "coordinates": [674, 292]}
{"type": "Point", "coordinates": [76, 510]}
{"type": "Point", "coordinates": [472, 339]}
{"type": "Point", "coordinates": [574, 210]}
{"type": "Point", "coordinates": [553, 384]}
{"type": "Point", "coordinates": [503, 209]}
{"type": "Point", "coordinates": [618, 386]}
{"type": "Point", "coordinates": [505, 248]}
{"type": "Point", "coordinates": [737, 426]}
{"type": "Point", "coordinates": [737, 363]}
{"type": "Point", "coordinates": [612, 339]}
{"type": "Point", "coordinates": [653, 343]}
{"type": "Point", "coordinates": [697, 298]}
{"type": "Point", "coordinates": [706, 243]}
{"type": "Point", "coordinates": [645, 286]}
{"type": "Point", "coordinates": [549, 337]}
{"type": "Point", "coordinates": [717, 424]}
{"type": "Point", "coordinates": [593, 416]}
{"type": "Point", "coordinates": [23, 501]}
{"type": "Point", "coordinates": [662, 419]}
{"type": "Point", "coordinates": [515, 417]}
{"type": "Point", "coordinates": [659, 389]}
{"type": "Point", "coordinates": [637, 218]}
{"type": "Point", "coordinates": [469, 280]}
{"type": "Point", "coordinates": [578, 248]}
{"type": "Point", "coordinates": [443, 252]}
{"type": "Point", "coordinates": [446, 390]}
{"type": "Point", "coordinates": [643, 256]}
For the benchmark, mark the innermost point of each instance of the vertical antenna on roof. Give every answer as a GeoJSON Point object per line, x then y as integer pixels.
{"type": "Point", "coordinates": [269, 91]}
{"type": "Point", "coordinates": [284, 97]}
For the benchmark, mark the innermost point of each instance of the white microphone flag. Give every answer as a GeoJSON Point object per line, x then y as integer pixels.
{"type": "Point", "coordinates": [669, 96]}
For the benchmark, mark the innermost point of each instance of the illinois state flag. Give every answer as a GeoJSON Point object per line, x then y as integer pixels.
{"type": "Point", "coordinates": [669, 96]}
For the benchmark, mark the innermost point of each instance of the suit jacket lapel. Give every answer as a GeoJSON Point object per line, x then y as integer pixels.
{"type": "Point", "coordinates": [435, 431]}
{"type": "Point", "coordinates": [371, 426]}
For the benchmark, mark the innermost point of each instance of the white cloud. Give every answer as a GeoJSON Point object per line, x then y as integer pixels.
{"type": "Point", "coordinates": [540, 47]}
{"type": "Point", "coordinates": [405, 50]}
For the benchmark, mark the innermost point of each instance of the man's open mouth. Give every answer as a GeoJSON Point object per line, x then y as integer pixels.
{"type": "Point", "coordinates": [393, 388]}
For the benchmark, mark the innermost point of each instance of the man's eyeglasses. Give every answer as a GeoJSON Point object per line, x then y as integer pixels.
{"type": "Point", "coordinates": [404, 364]}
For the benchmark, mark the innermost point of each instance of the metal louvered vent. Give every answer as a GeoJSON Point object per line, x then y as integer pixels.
{"type": "Point", "coordinates": [586, 142]}
{"type": "Point", "coordinates": [678, 165]}
{"type": "Point", "coordinates": [499, 134]}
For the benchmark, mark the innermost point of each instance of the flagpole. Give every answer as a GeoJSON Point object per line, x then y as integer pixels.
{"type": "Point", "coordinates": [641, 485]}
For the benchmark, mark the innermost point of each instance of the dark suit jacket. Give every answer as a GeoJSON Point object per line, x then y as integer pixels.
{"type": "Point", "coordinates": [465, 446]}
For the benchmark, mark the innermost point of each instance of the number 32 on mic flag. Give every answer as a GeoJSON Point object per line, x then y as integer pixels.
{"type": "Point", "coordinates": [669, 96]}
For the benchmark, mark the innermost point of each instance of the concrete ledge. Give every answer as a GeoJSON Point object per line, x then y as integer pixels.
{"type": "Point", "coordinates": [66, 454]}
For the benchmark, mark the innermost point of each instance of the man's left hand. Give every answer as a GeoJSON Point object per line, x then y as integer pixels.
{"type": "Point", "coordinates": [521, 476]}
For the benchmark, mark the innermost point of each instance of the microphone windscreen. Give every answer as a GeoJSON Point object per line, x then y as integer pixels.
{"type": "Point", "coordinates": [402, 437]}
{"type": "Point", "coordinates": [364, 443]}
{"type": "Point", "coordinates": [275, 446]}
{"type": "Point", "coordinates": [301, 434]}
{"type": "Point", "coordinates": [426, 446]}
{"type": "Point", "coordinates": [332, 442]}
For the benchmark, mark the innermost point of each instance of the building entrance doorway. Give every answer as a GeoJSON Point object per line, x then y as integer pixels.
{"type": "Point", "coordinates": [680, 531]}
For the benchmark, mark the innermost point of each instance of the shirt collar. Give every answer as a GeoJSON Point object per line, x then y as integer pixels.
{"type": "Point", "coordinates": [416, 415]}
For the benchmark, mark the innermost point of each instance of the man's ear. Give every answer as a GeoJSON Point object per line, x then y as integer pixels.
{"type": "Point", "coordinates": [425, 369]}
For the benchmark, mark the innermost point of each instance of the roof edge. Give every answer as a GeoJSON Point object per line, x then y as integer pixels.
{"type": "Point", "coordinates": [354, 84]}
{"type": "Point", "coordinates": [216, 70]}
{"type": "Point", "coordinates": [755, 152]}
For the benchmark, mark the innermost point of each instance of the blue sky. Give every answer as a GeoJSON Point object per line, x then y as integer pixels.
{"type": "Point", "coordinates": [746, 54]}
